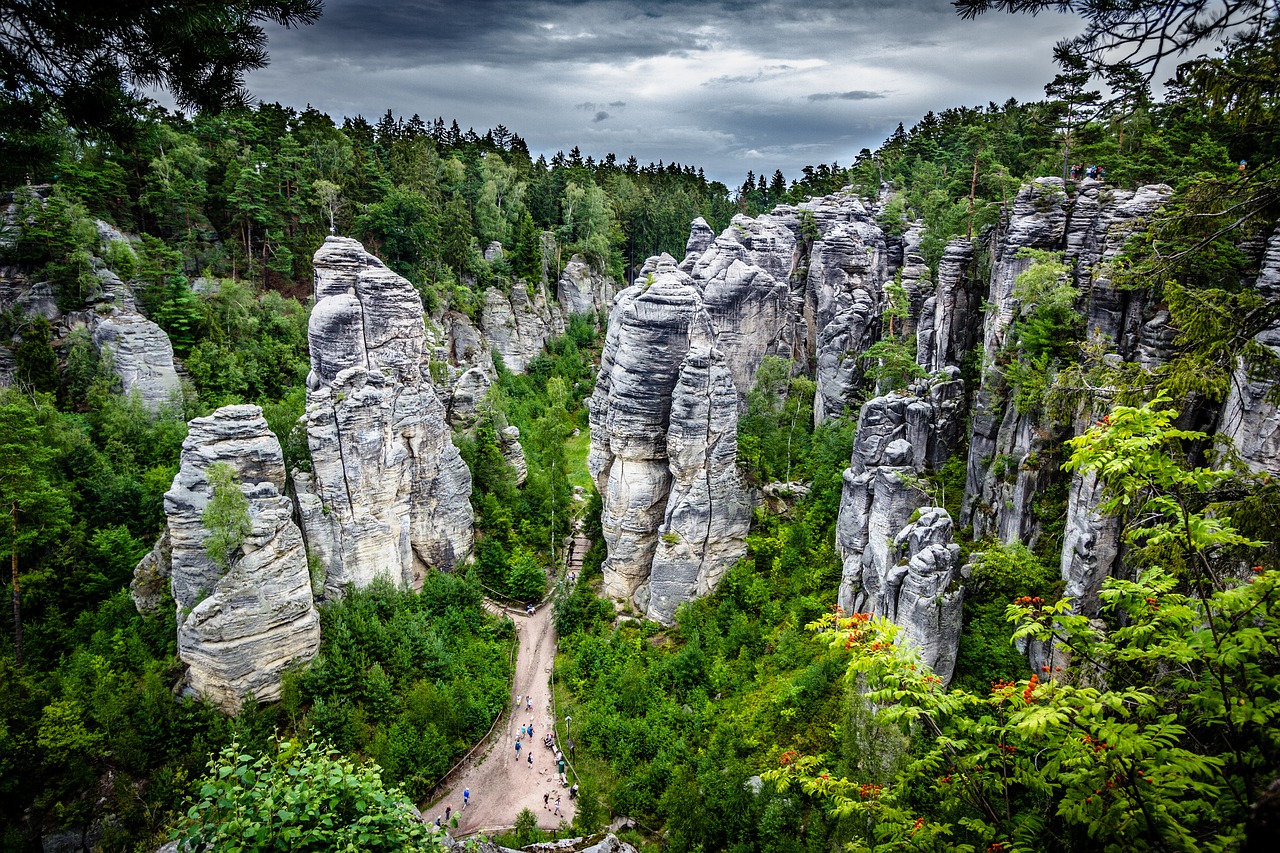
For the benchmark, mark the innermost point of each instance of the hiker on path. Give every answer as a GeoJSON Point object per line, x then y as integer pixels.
{"type": "Point", "coordinates": [557, 811]}
{"type": "Point", "coordinates": [529, 702]}
{"type": "Point", "coordinates": [546, 801]}
{"type": "Point", "coordinates": [531, 759]}
{"type": "Point", "coordinates": [517, 750]}
{"type": "Point", "coordinates": [448, 809]}
{"type": "Point", "coordinates": [466, 797]}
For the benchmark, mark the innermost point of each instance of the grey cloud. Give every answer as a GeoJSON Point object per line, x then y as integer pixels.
{"type": "Point", "coordinates": [766, 73]}
{"type": "Point", "coordinates": [853, 95]}
{"type": "Point", "coordinates": [533, 64]}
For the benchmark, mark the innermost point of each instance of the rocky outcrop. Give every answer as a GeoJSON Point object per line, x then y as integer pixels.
{"type": "Point", "coordinates": [468, 393]}
{"type": "Point", "coordinates": [395, 491]}
{"type": "Point", "coordinates": [1008, 449]}
{"type": "Point", "coordinates": [518, 324]}
{"type": "Point", "coordinates": [141, 355]}
{"type": "Point", "coordinates": [151, 577]}
{"type": "Point", "coordinates": [946, 330]}
{"type": "Point", "coordinates": [663, 417]}
{"type": "Point", "coordinates": [845, 292]}
{"type": "Point", "coordinates": [708, 512]}
{"type": "Point", "coordinates": [582, 289]}
{"type": "Point", "coordinates": [1250, 417]}
{"type": "Point", "coordinates": [803, 283]}
{"type": "Point", "coordinates": [239, 626]}
{"type": "Point", "coordinates": [744, 279]}
{"type": "Point", "coordinates": [513, 453]}
{"type": "Point", "coordinates": [1090, 543]}
{"type": "Point", "coordinates": [898, 558]}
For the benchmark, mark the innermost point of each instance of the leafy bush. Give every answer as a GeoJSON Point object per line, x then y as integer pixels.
{"type": "Point", "coordinates": [301, 798]}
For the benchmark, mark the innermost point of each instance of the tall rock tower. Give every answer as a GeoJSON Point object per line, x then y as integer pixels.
{"type": "Point", "coordinates": [391, 496]}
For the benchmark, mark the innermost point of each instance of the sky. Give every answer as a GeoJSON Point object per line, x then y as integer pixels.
{"type": "Point", "coordinates": [726, 85]}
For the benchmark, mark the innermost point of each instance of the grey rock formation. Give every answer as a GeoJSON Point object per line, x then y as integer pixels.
{"type": "Point", "coordinates": [946, 331]}
{"type": "Point", "coordinates": [1090, 543]}
{"type": "Point", "coordinates": [240, 628]}
{"type": "Point", "coordinates": [599, 843]}
{"type": "Point", "coordinates": [581, 289]}
{"type": "Point", "coordinates": [1007, 449]}
{"type": "Point", "coordinates": [663, 415]}
{"type": "Point", "coordinates": [141, 355]}
{"type": "Point", "coordinates": [319, 530]}
{"type": "Point", "coordinates": [517, 325]}
{"type": "Point", "coordinates": [513, 452]}
{"type": "Point", "coordinates": [847, 272]}
{"type": "Point", "coordinates": [893, 567]}
{"type": "Point", "coordinates": [930, 596]}
{"type": "Point", "coordinates": [151, 577]}
{"type": "Point", "coordinates": [1249, 418]}
{"type": "Point", "coordinates": [743, 276]}
{"type": "Point", "coordinates": [469, 391]}
{"type": "Point", "coordinates": [708, 512]}
{"type": "Point", "coordinates": [804, 283]}
{"type": "Point", "coordinates": [465, 346]}
{"type": "Point", "coordinates": [396, 491]}
{"type": "Point", "coordinates": [700, 239]}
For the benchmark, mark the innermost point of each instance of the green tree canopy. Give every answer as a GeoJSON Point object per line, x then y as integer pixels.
{"type": "Point", "coordinates": [300, 799]}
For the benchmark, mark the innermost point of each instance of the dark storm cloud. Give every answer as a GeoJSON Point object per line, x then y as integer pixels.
{"type": "Point", "coordinates": [724, 84]}
{"type": "Point", "coordinates": [854, 95]}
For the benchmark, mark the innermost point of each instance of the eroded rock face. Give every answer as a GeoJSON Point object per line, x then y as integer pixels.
{"type": "Point", "coordinates": [930, 594]}
{"type": "Point", "coordinates": [241, 627]}
{"type": "Point", "coordinates": [581, 289]}
{"type": "Point", "coordinates": [1008, 449]}
{"type": "Point", "coordinates": [396, 494]}
{"type": "Point", "coordinates": [947, 329]}
{"type": "Point", "coordinates": [743, 277]}
{"type": "Point", "coordinates": [1248, 417]}
{"type": "Point", "coordinates": [902, 569]}
{"type": "Point", "coordinates": [803, 283]}
{"type": "Point", "coordinates": [141, 355]}
{"type": "Point", "coordinates": [664, 446]}
{"type": "Point", "coordinates": [847, 272]}
{"type": "Point", "coordinates": [517, 325]}
{"type": "Point", "coordinates": [708, 512]}
{"type": "Point", "coordinates": [151, 577]}
{"type": "Point", "coordinates": [513, 452]}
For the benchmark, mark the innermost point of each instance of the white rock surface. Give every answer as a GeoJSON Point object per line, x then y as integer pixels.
{"type": "Point", "coordinates": [141, 355]}
{"type": "Point", "coordinates": [397, 493]}
{"type": "Point", "coordinates": [239, 629]}
{"type": "Point", "coordinates": [663, 408]}
{"type": "Point", "coordinates": [1249, 418]}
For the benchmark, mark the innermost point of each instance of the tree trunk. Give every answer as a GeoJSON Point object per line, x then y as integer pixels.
{"type": "Point", "coordinates": [973, 191]}
{"type": "Point", "coordinates": [17, 606]}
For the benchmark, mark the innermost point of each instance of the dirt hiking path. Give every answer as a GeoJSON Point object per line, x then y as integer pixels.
{"type": "Point", "coordinates": [501, 783]}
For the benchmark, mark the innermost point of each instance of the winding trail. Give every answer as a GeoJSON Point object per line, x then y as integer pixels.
{"type": "Point", "coordinates": [502, 785]}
